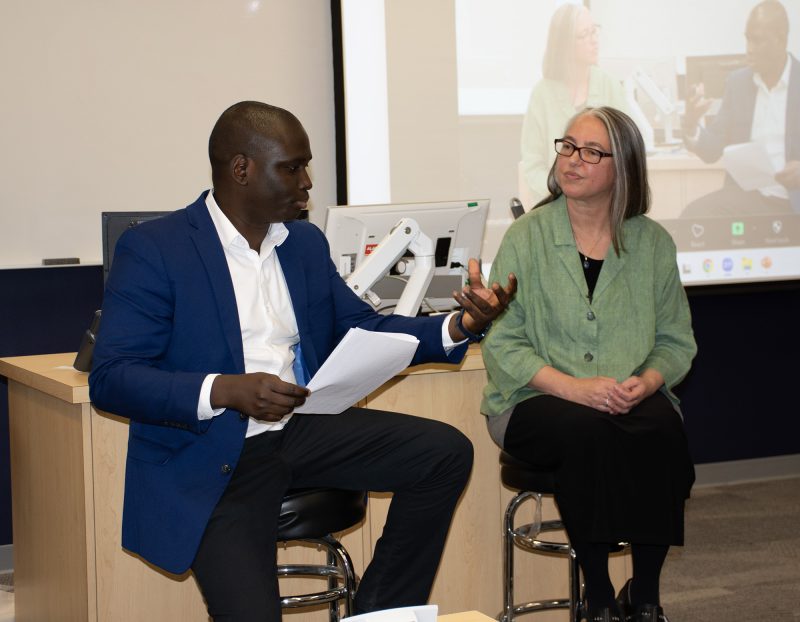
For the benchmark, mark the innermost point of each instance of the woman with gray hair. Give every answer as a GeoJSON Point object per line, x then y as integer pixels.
{"type": "Point", "coordinates": [582, 363]}
{"type": "Point", "coordinates": [571, 80]}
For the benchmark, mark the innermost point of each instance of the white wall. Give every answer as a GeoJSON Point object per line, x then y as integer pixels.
{"type": "Point", "coordinates": [107, 106]}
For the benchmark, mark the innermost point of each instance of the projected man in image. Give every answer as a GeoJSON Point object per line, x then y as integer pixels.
{"type": "Point", "coordinates": [761, 105]}
{"type": "Point", "coordinates": [571, 80]}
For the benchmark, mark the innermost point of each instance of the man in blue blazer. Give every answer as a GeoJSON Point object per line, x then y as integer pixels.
{"type": "Point", "coordinates": [213, 317]}
{"type": "Point", "coordinates": [753, 96]}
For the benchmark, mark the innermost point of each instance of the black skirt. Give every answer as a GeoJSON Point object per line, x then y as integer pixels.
{"type": "Point", "coordinates": [619, 478]}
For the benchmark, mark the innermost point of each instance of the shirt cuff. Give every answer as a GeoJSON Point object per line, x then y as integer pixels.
{"type": "Point", "coordinates": [204, 409]}
{"type": "Point", "coordinates": [447, 343]}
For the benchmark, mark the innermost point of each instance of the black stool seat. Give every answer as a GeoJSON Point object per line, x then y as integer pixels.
{"type": "Point", "coordinates": [313, 515]}
{"type": "Point", "coordinates": [521, 475]}
{"type": "Point", "coordinates": [315, 512]}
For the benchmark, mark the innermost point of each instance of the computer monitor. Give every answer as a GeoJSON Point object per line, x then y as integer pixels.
{"type": "Point", "coordinates": [114, 224]}
{"type": "Point", "coordinates": [455, 227]}
{"type": "Point", "coordinates": [712, 72]}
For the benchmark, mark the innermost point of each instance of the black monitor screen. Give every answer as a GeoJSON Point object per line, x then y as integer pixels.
{"type": "Point", "coordinates": [712, 72]}
{"type": "Point", "coordinates": [114, 225]}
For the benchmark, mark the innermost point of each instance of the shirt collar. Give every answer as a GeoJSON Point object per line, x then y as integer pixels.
{"type": "Point", "coordinates": [230, 236]}
{"type": "Point", "coordinates": [783, 81]}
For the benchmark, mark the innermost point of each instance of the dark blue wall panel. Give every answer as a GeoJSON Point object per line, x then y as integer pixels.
{"type": "Point", "coordinates": [739, 399]}
{"type": "Point", "coordinates": [44, 310]}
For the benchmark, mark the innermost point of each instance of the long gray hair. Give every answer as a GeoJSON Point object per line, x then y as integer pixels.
{"type": "Point", "coordinates": [559, 54]}
{"type": "Point", "coordinates": [631, 193]}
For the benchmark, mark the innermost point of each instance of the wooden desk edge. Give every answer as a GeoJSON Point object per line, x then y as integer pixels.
{"type": "Point", "coordinates": [54, 375]}
{"type": "Point", "coordinates": [472, 360]}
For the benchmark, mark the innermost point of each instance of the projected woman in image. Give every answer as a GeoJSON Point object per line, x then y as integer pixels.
{"type": "Point", "coordinates": [570, 81]}
{"type": "Point", "coordinates": [582, 364]}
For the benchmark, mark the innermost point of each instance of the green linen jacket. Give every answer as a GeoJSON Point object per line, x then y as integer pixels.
{"type": "Point", "coordinates": [638, 317]}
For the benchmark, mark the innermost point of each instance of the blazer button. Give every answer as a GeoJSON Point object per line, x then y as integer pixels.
{"type": "Point", "coordinates": [242, 416]}
{"type": "Point", "coordinates": [226, 468]}
{"type": "Point", "coordinates": [588, 357]}
{"type": "Point", "coordinates": [590, 316]}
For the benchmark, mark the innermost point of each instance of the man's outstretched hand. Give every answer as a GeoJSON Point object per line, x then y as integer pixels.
{"type": "Point", "coordinates": [481, 304]}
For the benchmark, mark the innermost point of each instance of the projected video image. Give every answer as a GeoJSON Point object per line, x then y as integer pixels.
{"type": "Point", "coordinates": [714, 88]}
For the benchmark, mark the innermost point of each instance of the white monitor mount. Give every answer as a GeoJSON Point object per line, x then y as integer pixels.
{"type": "Point", "coordinates": [639, 79]}
{"type": "Point", "coordinates": [405, 235]}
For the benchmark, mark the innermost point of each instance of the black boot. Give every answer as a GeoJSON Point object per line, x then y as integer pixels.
{"type": "Point", "coordinates": [624, 601]}
{"type": "Point", "coordinates": [649, 613]}
{"type": "Point", "coordinates": [640, 613]}
{"type": "Point", "coordinates": [605, 614]}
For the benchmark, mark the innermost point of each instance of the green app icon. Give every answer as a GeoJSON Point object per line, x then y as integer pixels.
{"type": "Point", "coordinates": [737, 228]}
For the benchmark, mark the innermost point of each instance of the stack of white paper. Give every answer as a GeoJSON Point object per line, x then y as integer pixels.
{"type": "Point", "coordinates": [750, 165]}
{"type": "Point", "coordinates": [361, 363]}
{"type": "Point", "coordinates": [422, 613]}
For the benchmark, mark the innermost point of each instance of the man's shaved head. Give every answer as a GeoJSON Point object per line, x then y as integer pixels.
{"type": "Point", "coordinates": [243, 128]}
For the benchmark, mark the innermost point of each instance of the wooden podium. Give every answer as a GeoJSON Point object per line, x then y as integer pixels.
{"type": "Point", "coordinates": [68, 468]}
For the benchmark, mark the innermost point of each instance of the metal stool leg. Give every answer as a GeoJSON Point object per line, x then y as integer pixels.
{"type": "Point", "coordinates": [575, 588]}
{"type": "Point", "coordinates": [338, 556]}
{"type": "Point", "coordinates": [333, 583]}
{"type": "Point", "coordinates": [340, 575]}
{"type": "Point", "coordinates": [527, 537]}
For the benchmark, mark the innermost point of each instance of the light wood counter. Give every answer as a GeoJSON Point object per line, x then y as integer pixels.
{"type": "Point", "coordinates": [68, 467]}
{"type": "Point", "coordinates": [466, 616]}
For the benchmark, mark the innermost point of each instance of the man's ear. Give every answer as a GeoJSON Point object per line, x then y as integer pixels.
{"type": "Point", "coordinates": [240, 164]}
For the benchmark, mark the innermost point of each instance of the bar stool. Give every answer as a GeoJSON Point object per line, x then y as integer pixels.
{"type": "Point", "coordinates": [312, 515]}
{"type": "Point", "coordinates": [533, 483]}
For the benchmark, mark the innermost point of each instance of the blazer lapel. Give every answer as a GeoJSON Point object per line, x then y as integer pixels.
{"type": "Point", "coordinates": [212, 255]}
{"type": "Point", "coordinates": [612, 264]}
{"type": "Point", "coordinates": [568, 251]}
{"type": "Point", "coordinates": [290, 256]}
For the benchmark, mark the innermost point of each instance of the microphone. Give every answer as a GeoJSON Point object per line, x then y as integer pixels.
{"type": "Point", "coordinates": [516, 208]}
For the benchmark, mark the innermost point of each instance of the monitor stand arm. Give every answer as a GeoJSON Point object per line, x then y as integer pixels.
{"type": "Point", "coordinates": [405, 235]}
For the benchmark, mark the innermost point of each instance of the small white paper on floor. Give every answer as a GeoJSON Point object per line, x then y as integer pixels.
{"type": "Point", "coordinates": [421, 613]}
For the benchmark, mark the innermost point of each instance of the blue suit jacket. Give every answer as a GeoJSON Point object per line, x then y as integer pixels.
{"type": "Point", "coordinates": [734, 121]}
{"type": "Point", "coordinates": [169, 319]}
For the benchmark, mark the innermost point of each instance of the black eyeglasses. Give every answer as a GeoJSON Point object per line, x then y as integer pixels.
{"type": "Point", "coordinates": [592, 31]}
{"type": "Point", "coordinates": [589, 155]}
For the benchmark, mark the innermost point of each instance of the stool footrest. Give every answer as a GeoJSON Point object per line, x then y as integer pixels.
{"type": "Point", "coordinates": [524, 540]}
{"type": "Point", "coordinates": [304, 600]}
{"type": "Point", "coordinates": [542, 605]}
{"type": "Point", "coordinates": [309, 570]}
{"type": "Point", "coordinates": [541, 546]}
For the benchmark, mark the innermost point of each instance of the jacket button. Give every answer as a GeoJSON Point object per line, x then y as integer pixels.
{"type": "Point", "coordinates": [588, 357]}
{"type": "Point", "coordinates": [226, 468]}
{"type": "Point", "coordinates": [590, 316]}
{"type": "Point", "coordinates": [242, 416]}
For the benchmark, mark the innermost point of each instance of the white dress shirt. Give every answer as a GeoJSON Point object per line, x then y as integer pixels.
{"type": "Point", "coordinates": [769, 125]}
{"type": "Point", "coordinates": [266, 316]}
